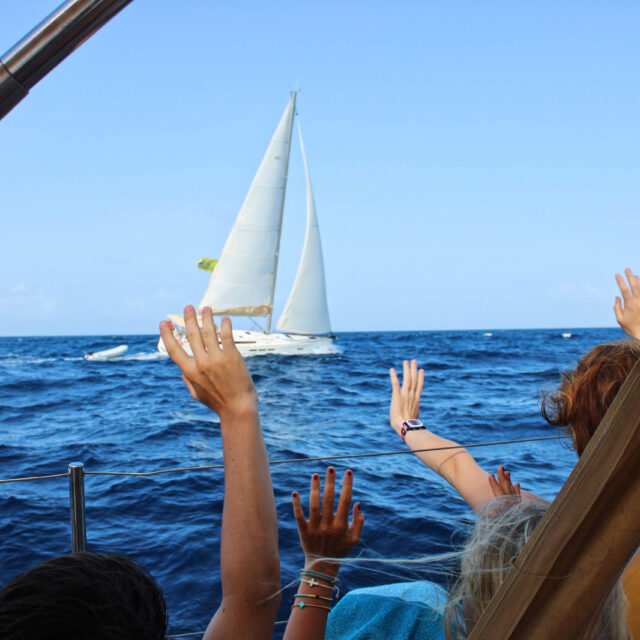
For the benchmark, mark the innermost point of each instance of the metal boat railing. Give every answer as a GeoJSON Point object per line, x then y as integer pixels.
{"type": "Point", "coordinates": [77, 473]}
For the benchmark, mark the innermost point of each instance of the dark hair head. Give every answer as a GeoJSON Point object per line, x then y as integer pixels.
{"type": "Point", "coordinates": [585, 393]}
{"type": "Point", "coordinates": [83, 596]}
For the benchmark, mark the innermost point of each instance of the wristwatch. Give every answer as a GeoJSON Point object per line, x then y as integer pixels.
{"type": "Point", "coordinates": [411, 425]}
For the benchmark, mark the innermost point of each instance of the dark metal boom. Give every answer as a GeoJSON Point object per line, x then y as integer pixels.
{"type": "Point", "coordinates": [48, 44]}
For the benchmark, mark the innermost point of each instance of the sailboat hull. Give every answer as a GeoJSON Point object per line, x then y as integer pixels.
{"type": "Point", "coordinates": [255, 343]}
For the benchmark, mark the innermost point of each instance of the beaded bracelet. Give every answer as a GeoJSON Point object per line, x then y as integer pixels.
{"type": "Point", "coordinates": [302, 605]}
{"type": "Point", "coordinates": [318, 574]}
{"type": "Point", "coordinates": [312, 595]}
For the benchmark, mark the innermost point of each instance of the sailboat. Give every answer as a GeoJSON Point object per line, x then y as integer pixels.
{"type": "Point", "coordinates": [244, 278]}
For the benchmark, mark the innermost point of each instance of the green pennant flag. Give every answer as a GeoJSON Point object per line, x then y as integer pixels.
{"type": "Point", "coordinates": [207, 264]}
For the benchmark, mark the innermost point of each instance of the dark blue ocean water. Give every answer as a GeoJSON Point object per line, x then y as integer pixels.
{"type": "Point", "coordinates": [134, 414]}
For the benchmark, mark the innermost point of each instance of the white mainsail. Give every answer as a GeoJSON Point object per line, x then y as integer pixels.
{"type": "Point", "coordinates": [243, 281]}
{"type": "Point", "coordinates": [306, 311]}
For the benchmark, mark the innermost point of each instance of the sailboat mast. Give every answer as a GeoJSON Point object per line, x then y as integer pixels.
{"type": "Point", "coordinates": [275, 266]}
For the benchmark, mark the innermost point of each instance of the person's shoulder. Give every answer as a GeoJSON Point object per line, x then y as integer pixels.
{"type": "Point", "coordinates": [414, 591]}
{"type": "Point", "coordinates": [390, 612]}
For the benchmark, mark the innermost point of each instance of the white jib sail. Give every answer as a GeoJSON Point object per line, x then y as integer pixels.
{"type": "Point", "coordinates": [306, 310]}
{"type": "Point", "coordinates": [244, 278]}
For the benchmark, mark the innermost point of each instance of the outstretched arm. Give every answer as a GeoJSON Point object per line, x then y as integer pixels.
{"type": "Point", "coordinates": [324, 535]}
{"type": "Point", "coordinates": [456, 465]}
{"type": "Point", "coordinates": [219, 378]}
{"type": "Point", "coordinates": [628, 317]}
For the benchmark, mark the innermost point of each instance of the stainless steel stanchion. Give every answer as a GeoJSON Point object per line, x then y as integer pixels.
{"type": "Point", "coordinates": [76, 504]}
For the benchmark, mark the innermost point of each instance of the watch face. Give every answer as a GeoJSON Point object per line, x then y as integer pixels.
{"type": "Point", "coordinates": [413, 423]}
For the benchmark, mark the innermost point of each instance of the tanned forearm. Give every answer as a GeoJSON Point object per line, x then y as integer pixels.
{"type": "Point", "coordinates": [249, 563]}
{"type": "Point", "coordinates": [456, 465]}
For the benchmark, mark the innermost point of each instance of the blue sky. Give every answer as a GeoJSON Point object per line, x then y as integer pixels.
{"type": "Point", "coordinates": [475, 164]}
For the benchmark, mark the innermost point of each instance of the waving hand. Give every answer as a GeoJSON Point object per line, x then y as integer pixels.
{"type": "Point", "coordinates": [628, 316]}
{"type": "Point", "coordinates": [325, 533]}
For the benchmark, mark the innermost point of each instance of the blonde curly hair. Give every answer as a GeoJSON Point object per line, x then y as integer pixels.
{"type": "Point", "coordinates": [497, 539]}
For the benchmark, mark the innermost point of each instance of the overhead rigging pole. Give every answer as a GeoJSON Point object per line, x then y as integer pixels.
{"type": "Point", "coordinates": [48, 44]}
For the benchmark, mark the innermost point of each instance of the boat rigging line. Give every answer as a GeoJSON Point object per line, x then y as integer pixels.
{"type": "Point", "coordinates": [289, 460]}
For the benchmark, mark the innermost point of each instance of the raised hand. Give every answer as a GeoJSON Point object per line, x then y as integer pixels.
{"type": "Point", "coordinates": [503, 486]}
{"type": "Point", "coordinates": [628, 317]}
{"type": "Point", "coordinates": [216, 375]}
{"type": "Point", "coordinates": [405, 400]}
{"type": "Point", "coordinates": [505, 493]}
{"type": "Point", "coordinates": [327, 534]}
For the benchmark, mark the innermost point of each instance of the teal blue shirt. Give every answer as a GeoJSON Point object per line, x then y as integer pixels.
{"type": "Point", "coordinates": [400, 611]}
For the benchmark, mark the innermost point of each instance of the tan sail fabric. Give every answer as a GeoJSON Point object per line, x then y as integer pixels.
{"type": "Point", "coordinates": [261, 310]}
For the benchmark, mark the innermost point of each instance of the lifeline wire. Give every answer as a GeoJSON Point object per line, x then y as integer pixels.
{"type": "Point", "coordinates": [57, 475]}
{"type": "Point", "coordinates": [340, 457]}
{"type": "Point", "coordinates": [289, 460]}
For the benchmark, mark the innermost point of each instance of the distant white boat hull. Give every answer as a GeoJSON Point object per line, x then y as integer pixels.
{"type": "Point", "coordinates": [107, 354]}
{"type": "Point", "coordinates": [256, 343]}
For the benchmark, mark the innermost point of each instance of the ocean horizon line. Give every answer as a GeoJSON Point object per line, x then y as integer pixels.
{"type": "Point", "coordinates": [336, 332]}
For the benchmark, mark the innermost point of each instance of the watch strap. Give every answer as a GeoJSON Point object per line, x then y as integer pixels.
{"type": "Point", "coordinates": [411, 425]}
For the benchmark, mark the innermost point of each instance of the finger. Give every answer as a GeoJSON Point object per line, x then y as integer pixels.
{"type": "Point", "coordinates": [622, 285]}
{"type": "Point", "coordinates": [405, 374]}
{"type": "Point", "coordinates": [617, 309]}
{"type": "Point", "coordinates": [634, 282]}
{"type": "Point", "coordinates": [329, 494]}
{"type": "Point", "coordinates": [175, 351]}
{"type": "Point", "coordinates": [504, 478]}
{"type": "Point", "coordinates": [414, 375]}
{"type": "Point", "coordinates": [517, 488]}
{"type": "Point", "coordinates": [342, 513]}
{"type": "Point", "coordinates": [509, 485]}
{"type": "Point", "coordinates": [314, 499]}
{"type": "Point", "coordinates": [209, 333]}
{"type": "Point", "coordinates": [193, 332]}
{"type": "Point", "coordinates": [357, 521]}
{"type": "Point", "coordinates": [395, 384]}
{"type": "Point", "coordinates": [495, 487]}
{"type": "Point", "coordinates": [226, 334]}
{"type": "Point", "coordinates": [420, 383]}
{"type": "Point", "coordinates": [298, 513]}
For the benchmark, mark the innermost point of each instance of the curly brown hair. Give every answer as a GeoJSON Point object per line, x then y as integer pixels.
{"type": "Point", "coordinates": [586, 392]}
